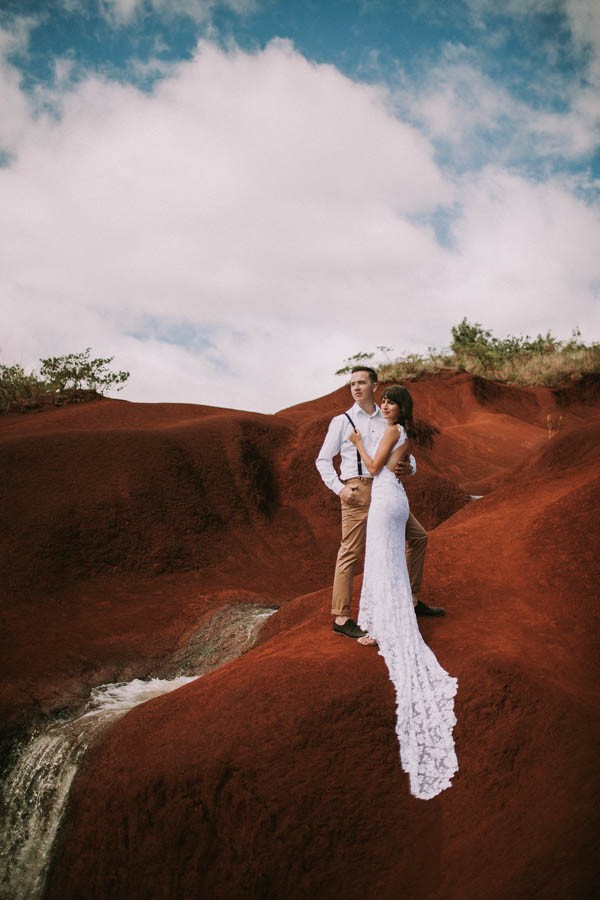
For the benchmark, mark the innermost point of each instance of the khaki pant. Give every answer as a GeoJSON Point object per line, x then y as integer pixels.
{"type": "Point", "coordinates": [354, 528]}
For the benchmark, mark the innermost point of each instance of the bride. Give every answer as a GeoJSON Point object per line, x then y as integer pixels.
{"type": "Point", "coordinates": [424, 690]}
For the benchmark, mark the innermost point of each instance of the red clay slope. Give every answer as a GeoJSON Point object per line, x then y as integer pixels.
{"type": "Point", "coordinates": [122, 524]}
{"type": "Point", "coordinates": [278, 775]}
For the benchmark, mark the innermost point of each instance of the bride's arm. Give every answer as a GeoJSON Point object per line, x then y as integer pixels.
{"type": "Point", "coordinates": [374, 466]}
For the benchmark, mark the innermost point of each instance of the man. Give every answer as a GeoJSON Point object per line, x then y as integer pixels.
{"type": "Point", "coordinates": [353, 487]}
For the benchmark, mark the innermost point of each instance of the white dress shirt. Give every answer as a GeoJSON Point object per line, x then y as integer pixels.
{"type": "Point", "coordinates": [337, 442]}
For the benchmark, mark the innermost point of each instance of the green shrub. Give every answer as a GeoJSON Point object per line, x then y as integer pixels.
{"type": "Point", "coordinates": [543, 360]}
{"type": "Point", "coordinates": [476, 347]}
{"type": "Point", "coordinates": [19, 390]}
{"type": "Point", "coordinates": [62, 379]}
{"type": "Point", "coordinates": [80, 373]}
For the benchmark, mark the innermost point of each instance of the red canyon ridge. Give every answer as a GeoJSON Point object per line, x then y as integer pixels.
{"type": "Point", "coordinates": [124, 526]}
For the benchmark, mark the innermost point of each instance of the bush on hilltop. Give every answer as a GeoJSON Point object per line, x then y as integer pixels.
{"type": "Point", "coordinates": [73, 378]}
{"type": "Point", "coordinates": [516, 360]}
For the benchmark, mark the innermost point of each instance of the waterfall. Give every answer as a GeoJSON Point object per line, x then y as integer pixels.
{"type": "Point", "coordinates": [35, 791]}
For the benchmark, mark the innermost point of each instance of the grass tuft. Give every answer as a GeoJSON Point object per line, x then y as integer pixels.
{"type": "Point", "coordinates": [542, 361]}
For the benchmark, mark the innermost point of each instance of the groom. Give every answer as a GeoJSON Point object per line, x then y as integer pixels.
{"type": "Point", "coordinates": [353, 487]}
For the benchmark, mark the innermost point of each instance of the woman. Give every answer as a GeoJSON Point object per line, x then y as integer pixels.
{"type": "Point", "coordinates": [424, 690]}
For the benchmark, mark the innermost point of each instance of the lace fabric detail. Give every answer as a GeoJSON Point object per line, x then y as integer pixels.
{"type": "Point", "coordinates": [424, 690]}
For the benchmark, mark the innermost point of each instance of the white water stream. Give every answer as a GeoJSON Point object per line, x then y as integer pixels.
{"type": "Point", "coordinates": [35, 791]}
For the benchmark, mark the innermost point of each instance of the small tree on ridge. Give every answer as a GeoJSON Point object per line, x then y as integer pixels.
{"type": "Point", "coordinates": [78, 372]}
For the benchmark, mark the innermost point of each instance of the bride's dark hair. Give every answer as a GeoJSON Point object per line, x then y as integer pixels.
{"type": "Point", "coordinates": [399, 395]}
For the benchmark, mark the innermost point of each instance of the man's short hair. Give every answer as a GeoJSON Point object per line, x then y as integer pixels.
{"type": "Point", "coordinates": [371, 372]}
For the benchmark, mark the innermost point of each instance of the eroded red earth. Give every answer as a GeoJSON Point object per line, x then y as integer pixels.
{"type": "Point", "coordinates": [125, 525]}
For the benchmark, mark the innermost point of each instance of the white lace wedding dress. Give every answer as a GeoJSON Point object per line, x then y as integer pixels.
{"type": "Point", "coordinates": [424, 690]}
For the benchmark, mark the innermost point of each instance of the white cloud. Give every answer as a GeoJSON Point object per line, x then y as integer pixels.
{"type": "Point", "coordinates": [123, 12]}
{"type": "Point", "coordinates": [276, 213]}
{"type": "Point", "coordinates": [476, 118]}
{"type": "Point", "coordinates": [527, 256]}
{"type": "Point", "coordinates": [584, 20]}
{"type": "Point", "coordinates": [14, 120]}
{"type": "Point", "coordinates": [120, 11]}
{"type": "Point", "coordinates": [480, 116]}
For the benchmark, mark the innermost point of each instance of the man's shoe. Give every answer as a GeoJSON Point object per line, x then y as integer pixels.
{"type": "Point", "coordinates": [422, 609]}
{"type": "Point", "coordinates": [349, 628]}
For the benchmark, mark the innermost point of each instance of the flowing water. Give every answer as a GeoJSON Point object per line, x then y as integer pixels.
{"type": "Point", "coordinates": [35, 791]}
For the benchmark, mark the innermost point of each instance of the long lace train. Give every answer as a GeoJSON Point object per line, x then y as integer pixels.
{"type": "Point", "coordinates": [424, 690]}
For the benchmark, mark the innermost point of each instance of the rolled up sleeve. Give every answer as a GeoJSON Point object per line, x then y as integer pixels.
{"type": "Point", "coordinates": [331, 448]}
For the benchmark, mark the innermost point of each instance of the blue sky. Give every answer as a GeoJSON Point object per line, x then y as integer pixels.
{"type": "Point", "coordinates": [233, 197]}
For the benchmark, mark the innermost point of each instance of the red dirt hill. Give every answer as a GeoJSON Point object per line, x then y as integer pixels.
{"type": "Point", "coordinates": [278, 774]}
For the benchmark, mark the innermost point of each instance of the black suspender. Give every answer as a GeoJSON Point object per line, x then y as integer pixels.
{"type": "Point", "coordinates": [358, 459]}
